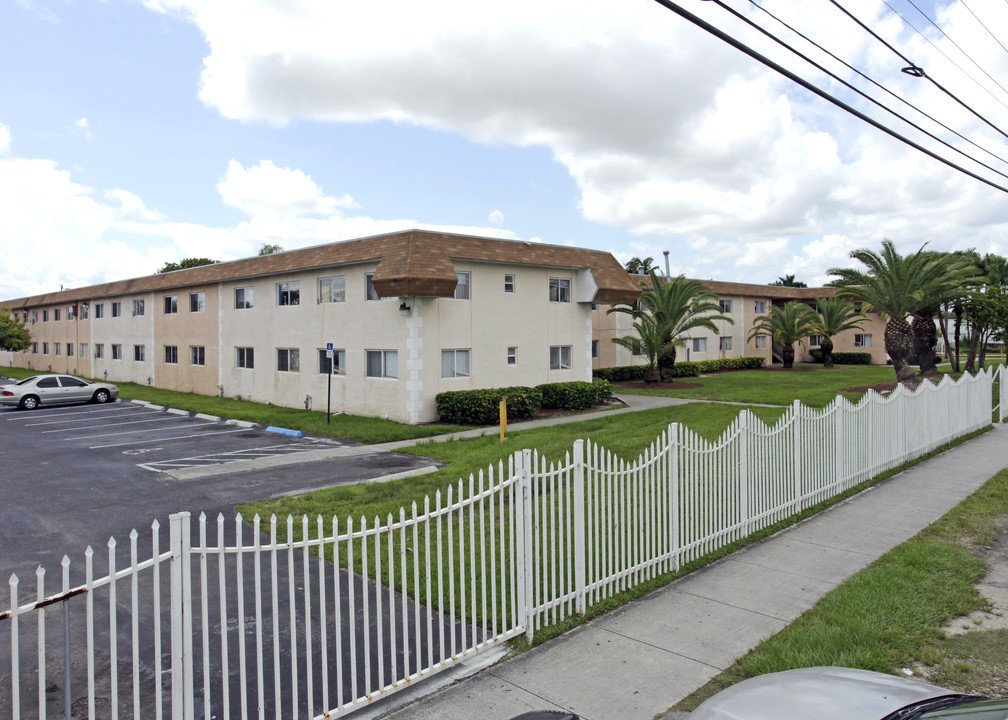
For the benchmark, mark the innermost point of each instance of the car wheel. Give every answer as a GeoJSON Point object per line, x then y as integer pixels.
{"type": "Point", "coordinates": [29, 402]}
{"type": "Point", "coordinates": [101, 396]}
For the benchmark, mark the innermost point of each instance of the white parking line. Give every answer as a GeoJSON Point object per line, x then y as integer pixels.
{"type": "Point", "coordinates": [135, 432]}
{"type": "Point", "coordinates": [104, 410]}
{"type": "Point", "coordinates": [90, 426]}
{"type": "Point", "coordinates": [217, 455]}
{"type": "Point", "coordinates": [179, 437]}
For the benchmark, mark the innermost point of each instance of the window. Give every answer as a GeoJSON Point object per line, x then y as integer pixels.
{"type": "Point", "coordinates": [725, 305]}
{"type": "Point", "coordinates": [197, 301]}
{"type": "Point", "coordinates": [35, 348]}
{"type": "Point", "coordinates": [761, 342]}
{"type": "Point", "coordinates": [858, 304]}
{"type": "Point", "coordinates": [288, 293]}
{"type": "Point", "coordinates": [816, 340]}
{"type": "Point", "coordinates": [372, 294]}
{"type": "Point", "coordinates": [138, 307]}
{"type": "Point", "coordinates": [34, 317]}
{"type": "Point", "coordinates": [171, 354]}
{"type": "Point", "coordinates": [337, 364]}
{"type": "Point", "coordinates": [99, 310]}
{"type": "Point", "coordinates": [45, 316]}
{"type": "Point", "coordinates": [288, 360]}
{"type": "Point", "coordinates": [560, 357]}
{"type": "Point", "coordinates": [332, 289]}
{"type": "Point", "coordinates": [116, 351]}
{"type": "Point", "coordinates": [197, 355]}
{"type": "Point", "coordinates": [56, 348]}
{"type": "Point", "coordinates": [462, 286]}
{"type": "Point", "coordinates": [138, 353]}
{"type": "Point", "coordinates": [759, 307]}
{"type": "Point", "coordinates": [724, 344]}
{"type": "Point", "coordinates": [45, 348]}
{"type": "Point", "coordinates": [699, 345]}
{"type": "Point", "coordinates": [70, 349]}
{"type": "Point", "coordinates": [243, 298]}
{"type": "Point", "coordinates": [116, 309]}
{"type": "Point", "coordinates": [55, 314]}
{"type": "Point", "coordinates": [70, 312]}
{"type": "Point", "coordinates": [99, 351]}
{"type": "Point", "coordinates": [383, 363]}
{"type": "Point", "coordinates": [512, 355]}
{"type": "Point", "coordinates": [559, 290]}
{"type": "Point", "coordinates": [595, 348]}
{"type": "Point", "coordinates": [509, 283]}
{"type": "Point", "coordinates": [862, 340]}
{"type": "Point", "coordinates": [454, 363]}
{"type": "Point", "coordinates": [170, 304]}
{"type": "Point", "coordinates": [244, 357]}
{"type": "Point", "coordinates": [83, 311]}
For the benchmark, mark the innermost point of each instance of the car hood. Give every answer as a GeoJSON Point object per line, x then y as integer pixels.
{"type": "Point", "coordinates": [822, 693]}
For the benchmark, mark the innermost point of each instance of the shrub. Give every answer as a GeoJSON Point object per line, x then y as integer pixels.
{"type": "Point", "coordinates": [684, 368]}
{"type": "Point", "coordinates": [603, 389]}
{"type": "Point", "coordinates": [577, 395]}
{"type": "Point", "coordinates": [482, 407]}
{"type": "Point", "coordinates": [843, 358]}
{"type": "Point", "coordinates": [622, 373]}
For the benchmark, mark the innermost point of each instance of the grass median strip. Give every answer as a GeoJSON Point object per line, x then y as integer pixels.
{"type": "Point", "coordinates": [890, 615]}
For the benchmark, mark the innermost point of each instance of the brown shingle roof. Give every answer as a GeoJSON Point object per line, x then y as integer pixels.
{"type": "Point", "coordinates": [410, 263]}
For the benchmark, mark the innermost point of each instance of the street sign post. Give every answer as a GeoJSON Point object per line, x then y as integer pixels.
{"type": "Point", "coordinates": [332, 365]}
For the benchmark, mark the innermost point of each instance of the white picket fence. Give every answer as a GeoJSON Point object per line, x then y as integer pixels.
{"type": "Point", "coordinates": [317, 619]}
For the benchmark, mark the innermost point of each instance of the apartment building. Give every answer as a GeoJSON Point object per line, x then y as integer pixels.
{"type": "Point", "coordinates": [744, 303]}
{"type": "Point", "coordinates": [408, 315]}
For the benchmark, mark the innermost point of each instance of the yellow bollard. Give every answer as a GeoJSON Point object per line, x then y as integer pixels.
{"type": "Point", "coordinates": [503, 418]}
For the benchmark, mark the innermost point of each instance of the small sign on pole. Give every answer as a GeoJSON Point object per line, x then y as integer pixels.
{"type": "Point", "coordinates": [332, 366]}
{"type": "Point", "coordinates": [503, 418]}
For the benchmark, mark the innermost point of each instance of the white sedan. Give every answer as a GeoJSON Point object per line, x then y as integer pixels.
{"type": "Point", "coordinates": [37, 390]}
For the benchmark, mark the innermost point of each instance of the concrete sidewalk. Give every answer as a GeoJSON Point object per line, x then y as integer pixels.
{"type": "Point", "coordinates": [637, 662]}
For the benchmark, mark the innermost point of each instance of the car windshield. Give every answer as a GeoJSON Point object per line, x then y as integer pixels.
{"type": "Point", "coordinates": [33, 378]}
{"type": "Point", "coordinates": [962, 707]}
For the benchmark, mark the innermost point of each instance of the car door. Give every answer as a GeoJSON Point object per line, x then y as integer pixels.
{"type": "Point", "coordinates": [74, 389]}
{"type": "Point", "coordinates": [48, 389]}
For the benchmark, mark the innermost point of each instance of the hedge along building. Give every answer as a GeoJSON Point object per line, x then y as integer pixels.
{"type": "Point", "coordinates": [744, 303]}
{"type": "Point", "coordinates": [409, 315]}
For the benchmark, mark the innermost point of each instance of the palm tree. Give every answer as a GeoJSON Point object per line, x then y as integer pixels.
{"type": "Point", "coordinates": [650, 341]}
{"type": "Point", "coordinates": [679, 306]}
{"type": "Point", "coordinates": [787, 325]}
{"type": "Point", "coordinates": [834, 316]}
{"type": "Point", "coordinates": [956, 281]}
{"type": "Point", "coordinates": [788, 281]}
{"type": "Point", "coordinates": [895, 286]}
{"type": "Point", "coordinates": [636, 266]}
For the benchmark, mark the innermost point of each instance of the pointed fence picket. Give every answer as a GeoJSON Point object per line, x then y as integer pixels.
{"type": "Point", "coordinates": [308, 619]}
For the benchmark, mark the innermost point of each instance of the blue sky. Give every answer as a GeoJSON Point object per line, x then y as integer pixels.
{"type": "Point", "coordinates": [137, 132]}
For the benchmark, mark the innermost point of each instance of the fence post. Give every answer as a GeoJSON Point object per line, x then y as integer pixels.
{"type": "Point", "coordinates": [673, 485]}
{"type": "Point", "coordinates": [796, 435]}
{"type": "Point", "coordinates": [579, 526]}
{"type": "Point", "coordinates": [528, 575]}
{"type": "Point", "coordinates": [744, 473]}
{"type": "Point", "coordinates": [181, 618]}
{"type": "Point", "coordinates": [1003, 392]}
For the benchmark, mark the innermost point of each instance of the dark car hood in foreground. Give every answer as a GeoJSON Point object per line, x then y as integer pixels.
{"type": "Point", "coordinates": [821, 693]}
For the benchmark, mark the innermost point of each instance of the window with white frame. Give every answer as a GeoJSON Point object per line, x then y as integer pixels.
{"type": "Point", "coordinates": [371, 293]}
{"type": "Point", "coordinates": [243, 298]}
{"type": "Point", "coordinates": [99, 310]}
{"type": "Point", "coordinates": [862, 340]}
{"type": "Point", "coordinates": [138, 353]}
{"type": "Point", "coordinates": [197, 302]}
{"type": "Point", "coordinates": [117, 308]}
{"type": "Point", "coordinates": [699, 345]}
{"type": "Point", "coordinates": [816, 340]}
{"type": "Point", "coordinates": [725, 304]}
{"type": "Point", "coordinates": [34, 316]}
{"type": "Point", "coordinates": [83, 350]}
{"type": "Point", "coordinates": [70, 312]}
{"type": "Point", "coordinates": [289, 293]}
{"type": "Point", "coordinates": [170, 304]}
{"type": "Point", "coordinates": [288, 360]}
{"type": "Point", "coordinates": [759, 307]}
{"type": "Point", "coordinates": [45, 348]}
{"type": "Point", "coordinates": [560, 357]}
{"type": "Point", "coordinates": [595, 348]}
{"type": "Point", "coordinates": [45, 316]}
{"type": "Point", "coordinates": [197, 355]}
{"type": "Point", "coordinates": [99, 351]}
{"type": "Point", "coordinates": [512, 355]}
{"type": "Point", "coordinates": [171, 354]}
{"type": "Point", "coordinates": [454, 363]}
{"type": "Point", "coordinates": [332, 289]}
{"type": "Point", "coordinates": [56, 349]}
{"type": "Point", "coordinates": [244, 357]}
{"type": "Point", "coordinates": [55, 314]}
{"type": "Point", "coordinates": [761, 342]}
{"type": "Point", "coordinates": [35, 348]}
{"type": "Point", "coordinates": [116, 351]}
{"type": "Point", "coordinates": [84, 311]}
{"type": "Point", "coordinates": [509, 283]}
{"type": "Point", "coordinates": [383, 363]}
{"type": "Point", "coordinates": [70, 349]}
{"type": "Point", "coordinates": [559, 290]}
{"type": "Point", "coordinates": [724, 343]}
{"type": "Point", "coordinates": [138, 306]}
{"type": "Point", "coordinates": [336, 365]}
{"type": "Point", "coordinates": [462, 286]}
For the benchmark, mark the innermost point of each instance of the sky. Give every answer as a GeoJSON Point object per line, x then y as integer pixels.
{"type": "Point", "coordinates": [138, 132]}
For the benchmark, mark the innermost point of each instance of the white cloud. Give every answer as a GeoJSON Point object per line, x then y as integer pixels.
{"type": "Point", "coordinates": [496, 218]}
{"type": "Point", "coordinates": [131, 206]}
{"type": "Point", "coordinates": [83, 128]}
{"type": "Point", "coordinates": [265, 188]}
{"type": "Point", "coordinates": [40, 11]}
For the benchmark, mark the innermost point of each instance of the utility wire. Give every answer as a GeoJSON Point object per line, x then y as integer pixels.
{"type": "Point", "coordinates": [966, 54]}
{"type": "Point", "coordinates": [913, 69]}
{"type": "Point", "coordinates": [723, 36]}
{"type": "Point", "coordinates": [984, 26]}
{"type": "Point", "coordinates": [878, 85]}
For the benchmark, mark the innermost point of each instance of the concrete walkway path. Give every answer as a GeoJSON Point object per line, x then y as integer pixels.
{"type": "Point", "coordinates": [638, 661]}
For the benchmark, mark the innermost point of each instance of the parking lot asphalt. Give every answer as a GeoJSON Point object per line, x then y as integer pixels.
{"type": "Point", "coordinates": [73, 476]}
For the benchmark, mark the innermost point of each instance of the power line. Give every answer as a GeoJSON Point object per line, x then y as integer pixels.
{"type": "Point", "coordinates": [993, 36]}
{"type": "Point", "coordinates": [723, 36]}
{"type": "Point", "coordinates": [874, 82]}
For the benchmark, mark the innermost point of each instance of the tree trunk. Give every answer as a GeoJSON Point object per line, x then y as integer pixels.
{"type": "Point", "coordinates": [826, 348]}
{"type": "Point", "coordinates": [958, 329]}
{"type": "Point", "coordinates": [652, 375]}
{"type": "Point", "coordinates": [943, 314]}
{"type": "Point", "coordinates": [971, 355]}
{"type": "Point", "coordinates": [925, 339]}
{"type": "Point", "coordinates": [899, 345]}
{"type": "Point", "coordinates": [787, 354]}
